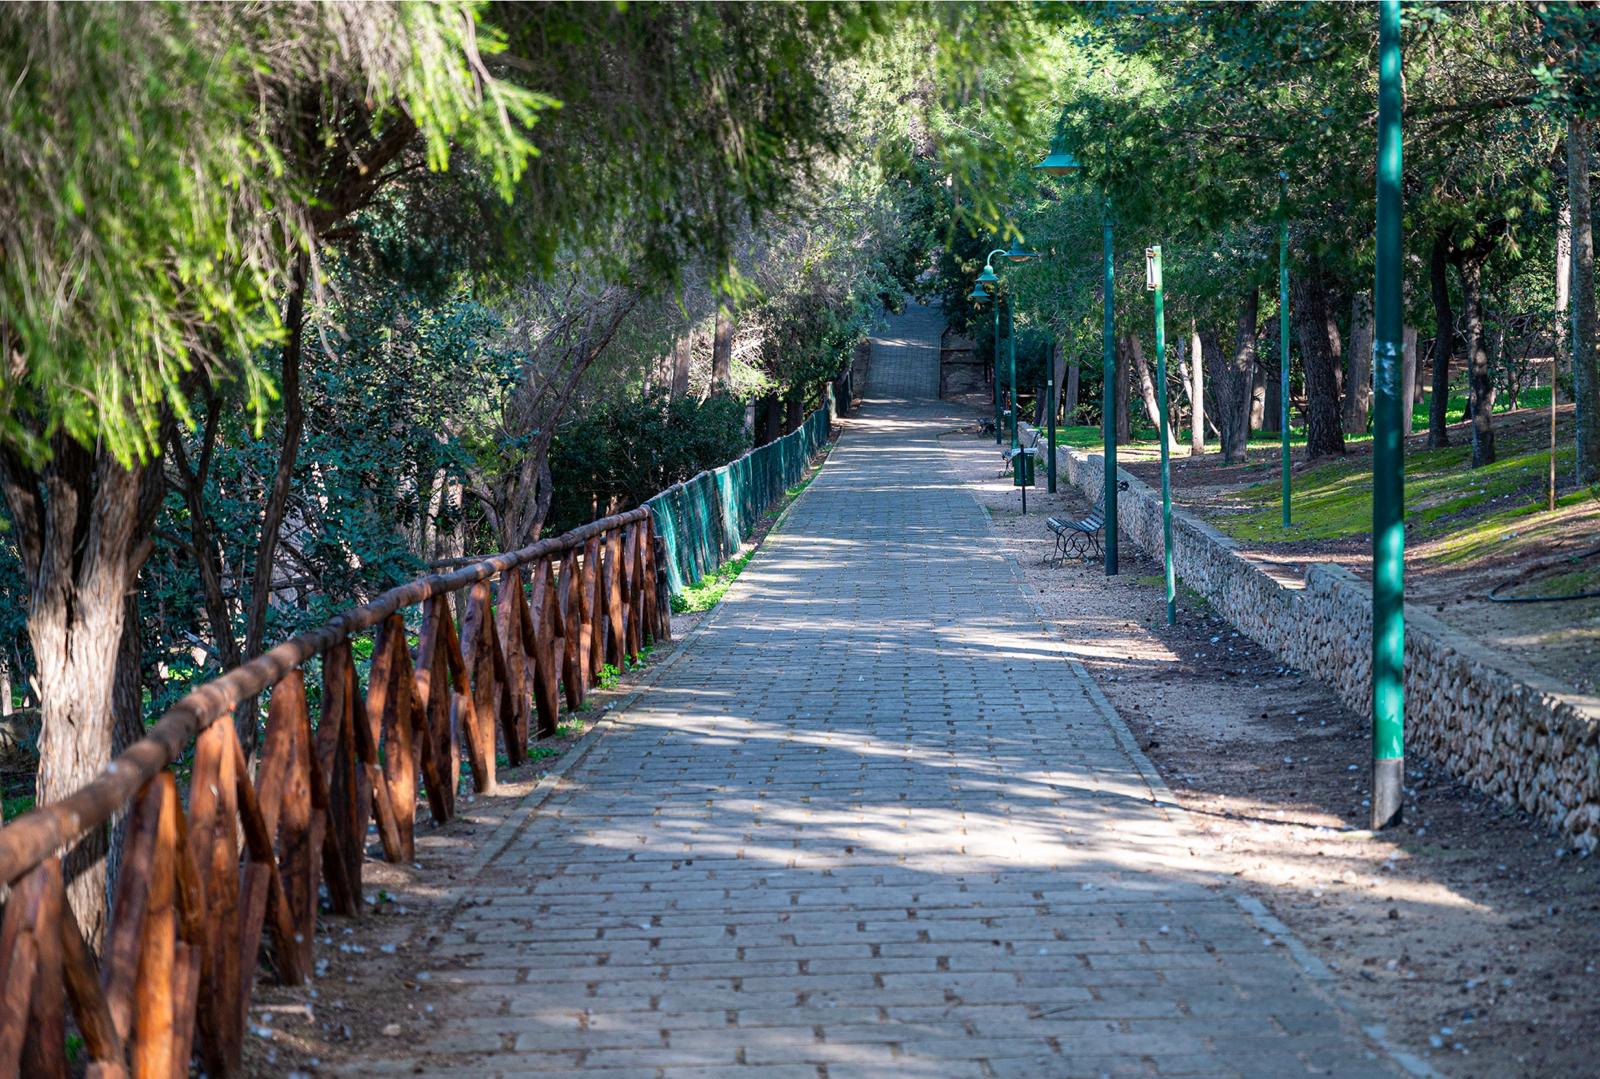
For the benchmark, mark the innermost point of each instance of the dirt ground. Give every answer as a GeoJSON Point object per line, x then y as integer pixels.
{"type": "Point", "coordinates": [1471, 933]}
{"type": "Point", "coordinates": [1559, 640]}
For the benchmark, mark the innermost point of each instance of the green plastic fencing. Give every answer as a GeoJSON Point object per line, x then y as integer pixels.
{"type": "Point", "coordinates": [703, 521]}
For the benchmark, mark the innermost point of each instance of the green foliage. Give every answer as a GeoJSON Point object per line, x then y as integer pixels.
{"type": "Point", "coordinates": [609, 676]}
{"type": "Point", "coordinates": [699, 598]}
{"type": "Point", "coordinates": [620, 452]}
{"type": "Point", "coordinates": [156, 190]}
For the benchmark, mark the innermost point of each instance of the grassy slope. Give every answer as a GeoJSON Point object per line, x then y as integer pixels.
{"type": "Point", "coordinates": [1465, 512]}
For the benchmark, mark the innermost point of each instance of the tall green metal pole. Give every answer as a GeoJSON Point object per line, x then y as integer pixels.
{"type": "Point", "coordinates": [1108, 393]}
{"type": "Point", "coordinates": [1283, 333]}
{"type": "Point", "coordinates": [1050, 423]}
{"type": "Point", "coordinates": [1388, 461]}
{"type": "Point", "coordinates": [1011, 358]}
{"type": "Point", "coordinates": [1153, 255]}
{"type": "Point", "coordinates": [998, 423]}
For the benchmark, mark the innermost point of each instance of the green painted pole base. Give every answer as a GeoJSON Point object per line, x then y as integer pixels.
{"type": "Point", "coordinates": [1050, 436]}
{"type": "Point", "coordinates": [1388, 792]}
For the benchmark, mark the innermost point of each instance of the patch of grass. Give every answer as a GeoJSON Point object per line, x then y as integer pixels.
{"type": "Point", "coordinates": [1491, 532]}
{"type": "Point", "coordinates": [1082, 438]}
{"type": "Point", "coordinates": [543, 753]}
{"type": "Point", "coordinates": [1455, 412]}
{"type": "Point", "coordinates": [609, 676]}
{"type": "Point", "coordinates": [1571, 583]}
{"type": "Point", "coordinates": [17, 804]}
{"type": "Point", "coordinates": [701, 597]}
{"type": "Point", "coordinates": [1334, 500]}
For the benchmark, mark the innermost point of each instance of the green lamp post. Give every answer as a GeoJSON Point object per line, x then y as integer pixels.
{"type": "Point", "coordinates": [978, 298]}
{"type": "Point", "coordinates": [1388, 459]}
{"type": "Point", "coordinates": [989, 281]}
{"type": "Point", "coordinates": [1060, 162]}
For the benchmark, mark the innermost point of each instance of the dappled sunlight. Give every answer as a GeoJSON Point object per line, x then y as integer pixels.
{"type": "Point", "coordinates": [874, 797]}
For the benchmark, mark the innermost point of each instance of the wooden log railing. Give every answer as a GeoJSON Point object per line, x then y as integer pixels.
{"type": "Point", "coordinates": [203, 879]}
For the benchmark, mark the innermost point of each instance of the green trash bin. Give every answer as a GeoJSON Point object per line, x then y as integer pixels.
{"type": "Point", "coordinates": [1022, 469]}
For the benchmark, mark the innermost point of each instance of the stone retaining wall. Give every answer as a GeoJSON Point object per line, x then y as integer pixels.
{"type": "Point", "coordinates": [1515, 736]}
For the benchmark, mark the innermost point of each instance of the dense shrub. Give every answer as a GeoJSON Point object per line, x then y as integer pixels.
{"type": "Point", "coordinates": [619, 453]}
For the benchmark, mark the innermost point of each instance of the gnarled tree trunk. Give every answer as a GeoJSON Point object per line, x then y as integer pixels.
{"type": "Point", "coordinates": [1309, 310]}
{"type": "Point", "coordinates": [1358, 375]}
{"type": "Point", "coordinates": [681, 356]}
{"type": "Point", "coordinates": [1408, 378]}
{"type": "Point", "coordinates": [1235, 375]}
{"type": "Point", "coordinates": [1471, 271]}
{"type": "Point", "coordinates": [722, 352]}
{"type": "Point", "coordinates": [1197, 394]}
{"type": "Point", "coordinates": [82, 525]}
{"type": "Point", "coordinates": [1585, 373]}
{"type": "Point", "coordinates": [1147, 390]}
{"type": "Point", "coordinates": [1444, 330]}
{"type": "Point", "coordinates": [1124, 420]}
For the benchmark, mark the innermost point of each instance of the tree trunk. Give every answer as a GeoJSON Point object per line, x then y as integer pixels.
{"type": "Point", "coordinates": [1235, 375]}
{"type": "Point", "coordinates": [1585, 374]}
{"type": "Point", "coordinates": [1058, 370]}
{"type": "Point", "coordinates": [81, 540]}
{"type": "Point", "coordinates": [1272, 422]}
{"type": "Point", "coordinates": [1069, 399]}
{"type": "Point", "coordinates": [1309, 310]}
{"type": "Point", "coordinates": [1444, 328]}
{"type": "Point", "coordinates": [1258, 396]}
{"type": "Point", "coordinates": [549, 377]}
{"type": "Point", "coordinates": [769, 419]}
{"type": "Point", "coordinates": [1563, 328]}
{"type": "Point", "coordinates": [722, 352]}
{"type": "Point", "coordinates": [277, 506]}
{"type": "Point", "coordinates": [1123, 419]}
{"type": "Point", "coordinates": [1197, 394]}
{"type": "Point", "coordinates": [681, 357]}
{"type": "Point", "coordinates": [1358, 382]}
{"type": "Point", "coordinates": [1147, 388]}
{"type": "Point", "coordinates": [1471, 271]}
{"type": "Point", "coordinates": [794, 413]}
{"type": "Point", "coordinates": [1408, 378]}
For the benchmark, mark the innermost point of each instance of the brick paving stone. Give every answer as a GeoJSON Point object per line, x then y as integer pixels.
{"type": "Point", "coordinates": [871, 823]}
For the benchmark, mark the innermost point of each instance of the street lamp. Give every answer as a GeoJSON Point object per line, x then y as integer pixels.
{"type": "Point", "coordinates": [978, 297]}
{"type": "Point", "coordinates": [1061, 162]}
{"type": "Point", "coordinates": [989, 282]}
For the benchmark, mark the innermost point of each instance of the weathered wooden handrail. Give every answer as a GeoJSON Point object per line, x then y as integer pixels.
{"type": "Point", "coordinates": [199, 885]}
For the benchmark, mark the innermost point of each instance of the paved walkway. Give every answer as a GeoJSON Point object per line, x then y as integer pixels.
{"type": "Point", "coordinates": [871, 824]}
{"type": "Point", "coordinates": [905, 357]}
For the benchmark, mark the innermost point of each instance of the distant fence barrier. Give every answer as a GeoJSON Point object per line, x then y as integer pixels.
{"type": "Point", "coordinates": [704, 520]}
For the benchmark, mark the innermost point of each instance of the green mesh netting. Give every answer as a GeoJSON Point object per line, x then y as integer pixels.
{"type": "Point", "coordinates": [703, 521]}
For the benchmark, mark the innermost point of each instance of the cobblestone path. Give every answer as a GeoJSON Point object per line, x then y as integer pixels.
{"type": "Point", "coordinates": [871, 823]}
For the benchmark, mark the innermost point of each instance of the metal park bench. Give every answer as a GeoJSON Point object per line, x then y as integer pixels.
{"type": "Point", "coordinates": [1079, 539]}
